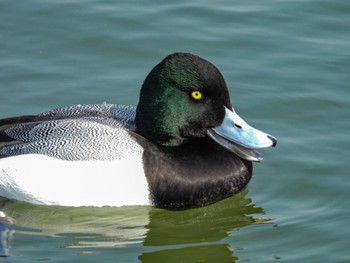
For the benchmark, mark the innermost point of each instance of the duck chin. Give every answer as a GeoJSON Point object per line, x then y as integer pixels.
{"type": "Point", "coordinates": [241, 151]}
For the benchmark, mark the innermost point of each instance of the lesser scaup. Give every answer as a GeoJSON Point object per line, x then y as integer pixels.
{"type": "Point", "coordinates": [182, 146]}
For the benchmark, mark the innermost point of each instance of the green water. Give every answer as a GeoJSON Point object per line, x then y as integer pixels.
{"type": "Point", "coordinates": [287, 65]}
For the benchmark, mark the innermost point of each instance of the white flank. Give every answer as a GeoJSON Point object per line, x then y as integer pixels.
{"type": "Point", "coordinates": [40, 179]}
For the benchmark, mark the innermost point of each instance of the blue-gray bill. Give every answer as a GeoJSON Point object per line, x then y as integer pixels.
{"type": "Point", "coordinates": [237, 136]}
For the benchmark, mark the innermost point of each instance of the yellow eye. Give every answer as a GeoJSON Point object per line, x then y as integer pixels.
{"type": "Point", "coordinates": [197, 95]}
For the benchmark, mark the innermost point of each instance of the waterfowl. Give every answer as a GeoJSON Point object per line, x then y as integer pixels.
{"type": "Point", "coordinates": [182, 146]}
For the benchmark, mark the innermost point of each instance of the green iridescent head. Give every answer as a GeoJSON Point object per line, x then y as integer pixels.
{"type": "Point", "coordinates": [181, 98]}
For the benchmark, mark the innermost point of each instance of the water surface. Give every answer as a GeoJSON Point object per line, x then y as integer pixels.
{"type": "Point", "coordinates": [287, 66]}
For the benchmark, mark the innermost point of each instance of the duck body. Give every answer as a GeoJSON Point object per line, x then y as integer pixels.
{"type": "Point", "coordinates": [75, 156]}
{"type": "Point", "coordinates": [174, 150]}
{"type": "Point", "coordinates": [96, 149]}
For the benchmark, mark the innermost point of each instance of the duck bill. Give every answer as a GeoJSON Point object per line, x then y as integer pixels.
{"type": "Point", "coordinates": [237, 136]}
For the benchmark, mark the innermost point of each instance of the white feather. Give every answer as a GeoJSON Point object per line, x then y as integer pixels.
{"type": "Point", "coordinates": [46, 180]}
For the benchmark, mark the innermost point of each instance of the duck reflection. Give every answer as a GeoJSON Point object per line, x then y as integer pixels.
{"type": "Point", "coordinates": [6, 233]}
{"type": "Point", "coordinates": [159, 235]}
{"type": "Point", "coordinates": [206, 253]}
{"type": "Point", "coordinates": [200, 232]}
{"type": "Point", "coordinates": [81, 227]}
{"type": "Point", "coordinates": [206, 224]}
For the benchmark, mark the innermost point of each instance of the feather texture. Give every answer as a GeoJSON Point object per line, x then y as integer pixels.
{"type": "Point", "coordinates": [80, 132]}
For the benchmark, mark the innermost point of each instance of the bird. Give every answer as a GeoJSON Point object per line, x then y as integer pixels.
{"type": "Point", "coordinates": [182, 146]}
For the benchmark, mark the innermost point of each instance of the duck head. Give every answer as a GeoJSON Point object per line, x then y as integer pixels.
{"type": "Point", "coordinates": [185, 97]}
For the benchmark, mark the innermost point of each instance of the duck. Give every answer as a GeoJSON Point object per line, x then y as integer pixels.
{"type": "Point", "coordinates": [182, 146]}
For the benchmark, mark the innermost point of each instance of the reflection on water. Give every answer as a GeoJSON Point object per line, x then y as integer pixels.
{"type": "Point", "coordinates": [206, 224]}
{"type": "Point", "coordinates": [203, 228]}
{"type": "Point", "coordinates": [6, 234]}
{"type": "Point", "coordinates": [161, 235]}
{"type": "Point", "coordinates": [204, 253]}
{"type": "Point", "coordinates": [83, 226]}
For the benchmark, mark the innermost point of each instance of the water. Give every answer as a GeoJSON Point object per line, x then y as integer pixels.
{"type": "Point", "coordinates": [287, 65]}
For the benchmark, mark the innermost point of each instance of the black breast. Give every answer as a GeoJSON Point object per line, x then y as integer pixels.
{"type": "Point", "coordinates": [195, 174]}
